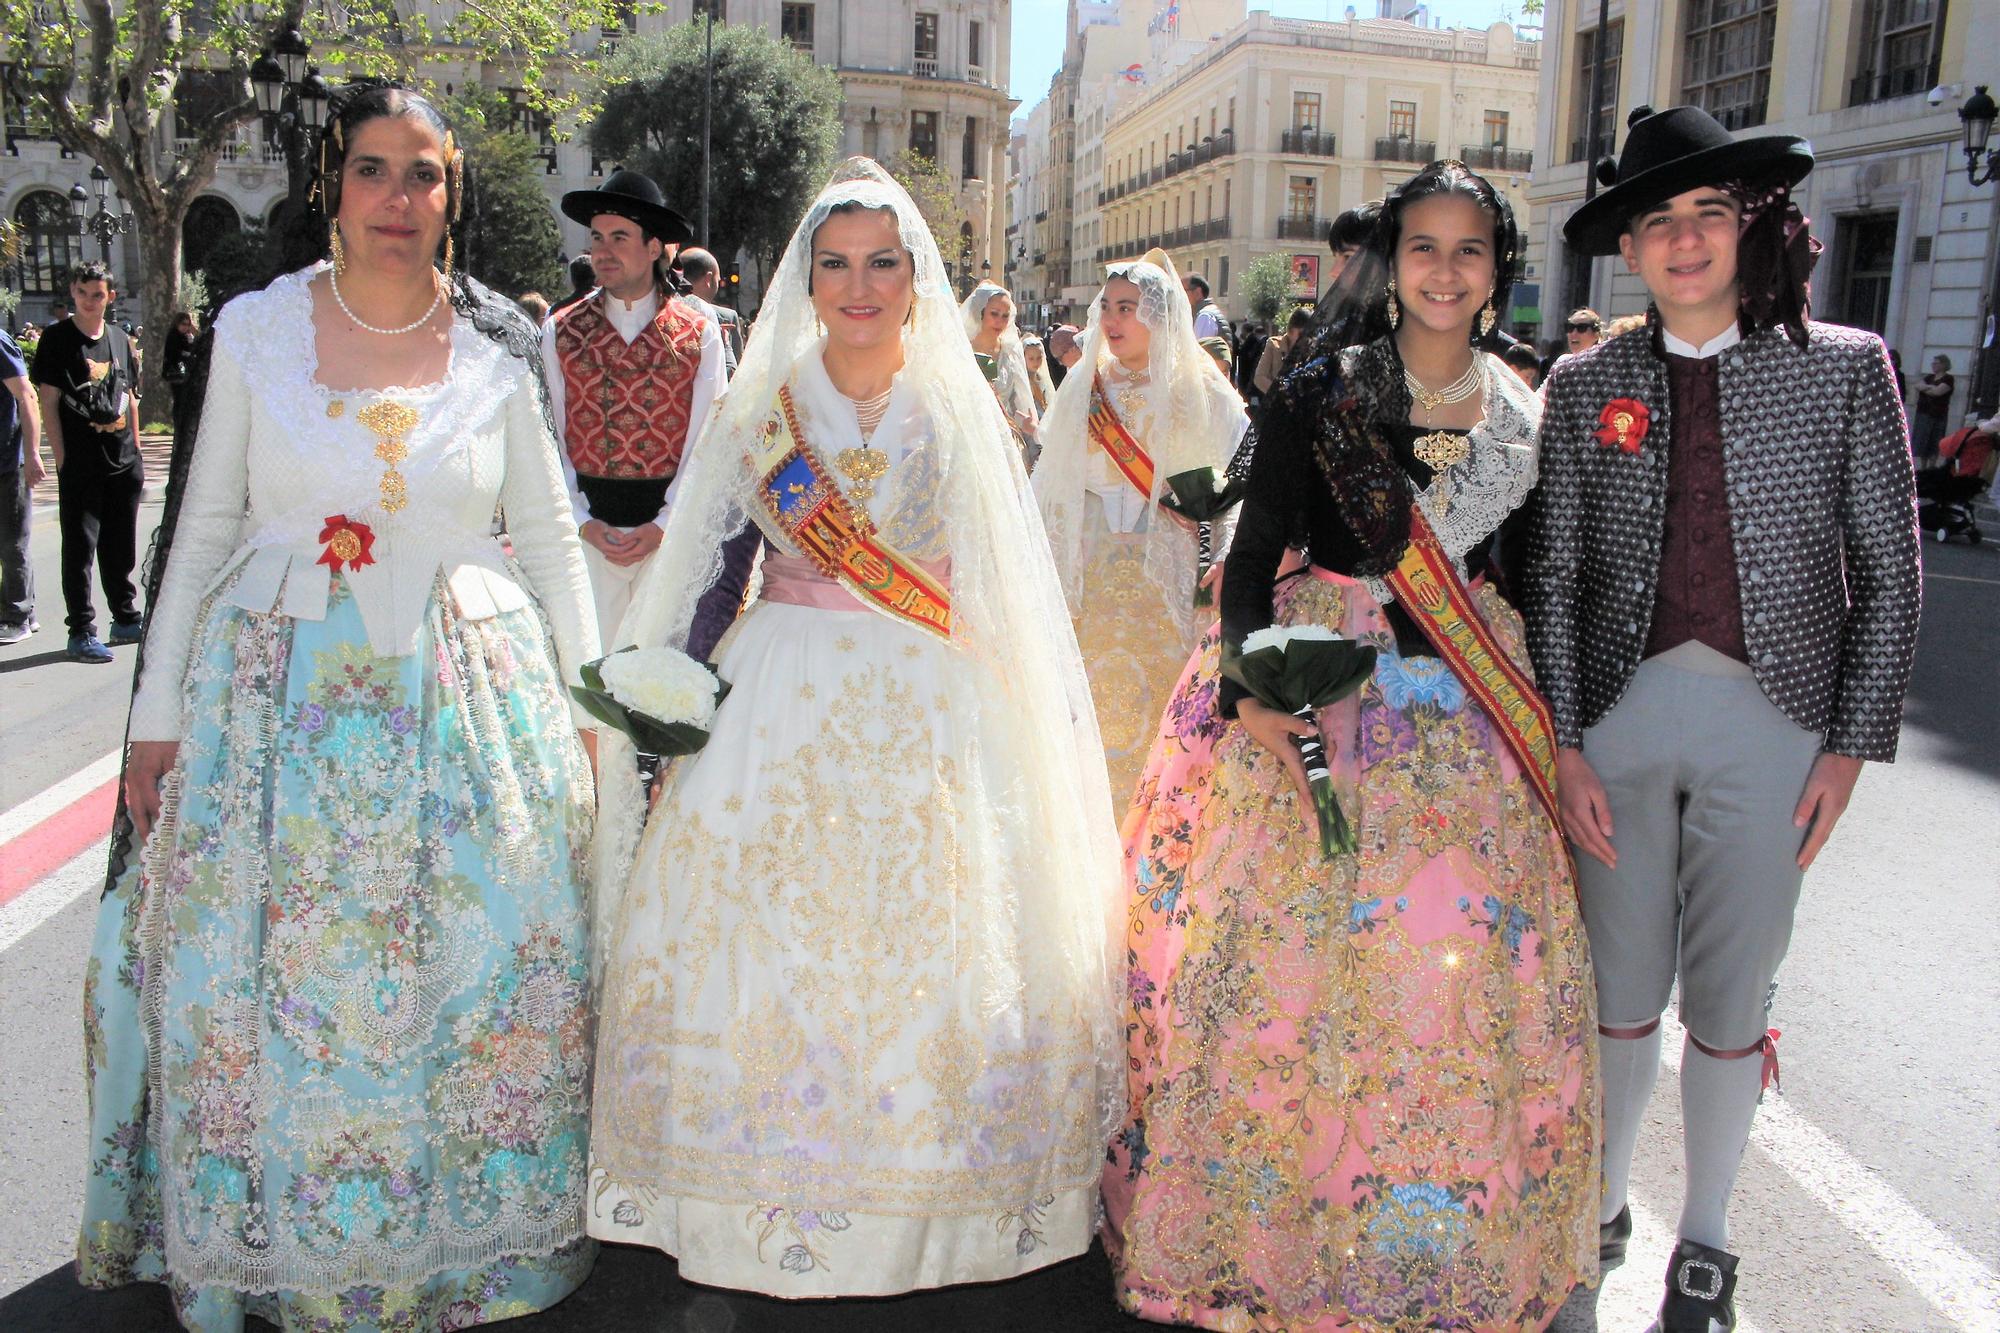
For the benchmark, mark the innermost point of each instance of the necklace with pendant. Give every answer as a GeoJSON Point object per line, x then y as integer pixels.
{"type": "Point", "coordinates": [1130, 388]}
{"type": "Point", "coordinates": [1442, 449]}
{"type": "Point", "coordinates": [864, 467]}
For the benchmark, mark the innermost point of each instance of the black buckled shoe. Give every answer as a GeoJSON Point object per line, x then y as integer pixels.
{"type": "Point", "coordinates": [1612, 1238]}
{"type": "Point", "coordinates": [1701, 1291]}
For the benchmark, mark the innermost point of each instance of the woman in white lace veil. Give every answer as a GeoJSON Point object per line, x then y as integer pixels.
{"type": "Point", "coordinates": [858, 1007]}
{"type": "Point", "coordinates": [980, 312]}
{"type": "Point", "coordinates": [1106, 536]}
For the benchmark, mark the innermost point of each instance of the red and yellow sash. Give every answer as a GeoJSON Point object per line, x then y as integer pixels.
{"type": "Point", "coordinates": [1108, 433]}
{"type": "Point", "coordinates": [840, 540]}
{"type": "Point", "coordinates": [1428, 586]}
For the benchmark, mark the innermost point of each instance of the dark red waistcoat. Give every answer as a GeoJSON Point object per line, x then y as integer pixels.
{"type": "Point", "coordinates": [626, 405]}
{"type": "Point", "coordinates": [1698, 595]}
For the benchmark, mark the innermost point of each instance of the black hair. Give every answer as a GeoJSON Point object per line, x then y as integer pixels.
{"type": "Point", "coordinates": [1196, 280]}
{"type": "Point", "coordinates": [582, 274]}
{"type": "Point", "coordinates": [1522, 355]}
{"type": "Point", "coordinates": [1351, 230]}
{"type": "Point", "coordinates": [91, 270]}
{"type": "Point", "coordinates": [1358, 299]}
{"type": "Point", "coordinates": [1302, 317]}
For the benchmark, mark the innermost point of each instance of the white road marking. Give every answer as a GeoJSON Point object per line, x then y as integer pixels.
{"type": "Point", "coordinates": [1945, 1273]}
{"type": "Point", "coordinates": [1961, 578]}
{"type": "Point", "coordinates": [18, 820]}
{"type": "Point", "coordinates": [56, 890]}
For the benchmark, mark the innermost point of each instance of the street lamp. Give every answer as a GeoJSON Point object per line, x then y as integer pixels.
{"type": "Point", "coordinates": [1978, 113]}
{"type": "Point", "coordinates": [107, 220]}
{"type": "Point", "coordinates": [292, 102]}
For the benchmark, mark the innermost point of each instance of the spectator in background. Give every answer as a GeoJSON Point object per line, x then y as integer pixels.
{"type": "Point", "coordinates": [1624, 324]}
{"type": "Point", "coordinates": [1211, 327]}
{"type": "Point", "coordinates": [1347, 234]}
{"type": "Point", "coordinates": [20, 473]}
{"type": "Point", "coordinates": [582, 282]}
{"type": "Point", "coordinates": [704, 279]}
{"type": "Point", "coordinates": [1902, 380]}
{"type": "Point", "coordinates": [1581, 332]}
{"type": "Point", "coordinates": [1278, 349]}
{"type": "Point", "coordinates": [84, 372]}
{"type": "Point", "coordinates": [1933, 411]}
{"type": "Point", "coordinates": [537, 307]}
{"type": "Point", "coordinates": [1063, 351]}
{"type": "Point", "coordinates": [1249, 356]}
{"type": "Point", "coordinates": [1521, 359]}
{"type": "Point", "coordinates": [177, 354]}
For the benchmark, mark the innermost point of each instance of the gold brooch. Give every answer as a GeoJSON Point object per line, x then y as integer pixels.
{"type": "Point", "coordinates": [336, 409]}
{"type": "Point", "coordinates": [391, 423]}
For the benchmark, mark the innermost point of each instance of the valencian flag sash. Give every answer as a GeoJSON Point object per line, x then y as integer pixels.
{"type": "Point", "coordinates": [812, 510]}
{"type": "Point", "coordinates": [1428, 586]}
{"type": "Point", "coordinates": [1108, 433]}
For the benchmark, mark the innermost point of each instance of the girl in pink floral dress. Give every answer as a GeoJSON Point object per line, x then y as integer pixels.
{"type": "Point", "coordinates": [1362, 1090]}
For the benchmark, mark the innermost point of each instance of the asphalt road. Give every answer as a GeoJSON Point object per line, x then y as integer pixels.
{"type": "Point", "coordinates": [1867, 1202]}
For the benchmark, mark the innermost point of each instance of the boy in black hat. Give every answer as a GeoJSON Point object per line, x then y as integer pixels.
{"type": "Point", "coordinates": [1721, 596]}
{"type": "Point", "coordinates": [632, 370]}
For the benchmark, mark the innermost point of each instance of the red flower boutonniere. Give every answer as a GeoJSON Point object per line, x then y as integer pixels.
{"type": "Point", "coordinates": [347, 542]}
{"type": "Point", "coordinates": [1623, 424]}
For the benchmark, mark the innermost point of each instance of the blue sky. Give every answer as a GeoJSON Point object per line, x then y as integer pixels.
{"type": "Point", "coordinates": [1038, 31]}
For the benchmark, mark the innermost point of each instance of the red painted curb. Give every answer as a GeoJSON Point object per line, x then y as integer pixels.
{"type": "Point", "coordinates": [56, 841]}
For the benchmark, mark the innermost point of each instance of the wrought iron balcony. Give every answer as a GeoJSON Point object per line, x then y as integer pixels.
{"type": "Point", "coordinates": [1308, 143]}
{"type": "Point", "coordinates": [1400, 149]}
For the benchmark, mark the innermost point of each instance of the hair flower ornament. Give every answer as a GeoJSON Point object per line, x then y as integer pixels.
{"type": "Point", "coordinates": [1623, 424]}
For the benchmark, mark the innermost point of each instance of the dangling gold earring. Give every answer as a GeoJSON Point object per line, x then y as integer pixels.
{"type": "Point", "coordinates": [1395, 311]}
{"type": "Point", "coordinates": [1487, 318]}
{"type": "Point", "coordinates": [339, 253]}
{"type": "Point", "coordinates": [447, 256]}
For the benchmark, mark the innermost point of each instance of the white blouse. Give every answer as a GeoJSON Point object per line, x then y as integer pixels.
{"type": "Point", "coordinates": [278, 454]}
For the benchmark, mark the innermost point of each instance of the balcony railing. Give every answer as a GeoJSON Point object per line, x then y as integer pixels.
{"type": "Point", "coordinates": [1496, 157]}
{"type": "Point", "coordinates": [1301, 228]}
{"type": "Point", "coordinates": [1308, 143]}
{"type": "Point", "coordinates": [1400, 149]}
{"type": "Point", "coordinates": [1870, 86]}
{"type": "Point", "coordinates": [926, 67]}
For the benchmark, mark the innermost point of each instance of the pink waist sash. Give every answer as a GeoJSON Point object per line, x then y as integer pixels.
{"type": "Point", "coordinates": [793, 580]}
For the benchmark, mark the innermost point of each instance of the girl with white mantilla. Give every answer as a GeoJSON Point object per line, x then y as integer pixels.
{"type": "Point", "coordinates": [857, 1014]}
{"type": "Point", "coordinates": [1127, 566]}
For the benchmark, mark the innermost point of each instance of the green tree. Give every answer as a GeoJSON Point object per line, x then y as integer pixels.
{"type": "Point", "coordinates": [1266, 284]}
{"type": "Point", "coordinates": [937, 199]}
{"type": "Point", "coordinates": [775, 121]}
{"type": "Point", "coordinates": [511, 236]}
{"type": "Point", "coordinates": [235, 264]}
{"type": "Point", "coordinates": [104, 75]}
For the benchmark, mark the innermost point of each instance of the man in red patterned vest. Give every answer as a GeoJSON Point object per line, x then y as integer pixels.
{"type": "Point", "coordinates": [631, 370]}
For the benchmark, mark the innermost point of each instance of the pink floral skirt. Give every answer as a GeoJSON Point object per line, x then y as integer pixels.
{"type": "Point", "coordinates": [1362, 1092]}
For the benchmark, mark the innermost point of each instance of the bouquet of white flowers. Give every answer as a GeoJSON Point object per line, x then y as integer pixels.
{"type": "Point", "coordinates": [1300, 671]}
{"type": "Point", "coordinates": [663, 699]}
{"type": "Point", "coordinates": [1203, 495]}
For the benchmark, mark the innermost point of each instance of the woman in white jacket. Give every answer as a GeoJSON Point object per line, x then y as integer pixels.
{"type": "Point", "coordinates": [337, 1015]}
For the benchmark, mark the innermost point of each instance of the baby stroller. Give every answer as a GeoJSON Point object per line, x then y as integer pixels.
{"type": "Point", "coordinates": [1946, 494]}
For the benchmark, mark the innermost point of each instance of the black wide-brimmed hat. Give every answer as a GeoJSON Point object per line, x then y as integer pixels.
{"type": "Point", "coordinates": [1671, 152]}
{"type": "Point", "coordinates": [630, 195]}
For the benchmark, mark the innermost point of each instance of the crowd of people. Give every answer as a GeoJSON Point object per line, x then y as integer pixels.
{"type": "Point", "coordinates": [994, 916]}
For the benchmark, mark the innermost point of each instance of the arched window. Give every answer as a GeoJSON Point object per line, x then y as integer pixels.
{"type": "Point", "coordinates": [48, 250]}
{"type": "Point", "coordinates": [209, 219]}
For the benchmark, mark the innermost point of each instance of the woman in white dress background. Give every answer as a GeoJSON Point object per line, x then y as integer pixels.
{"type": "Point", "coordinates": [988, 316]}
{"type": "Point", "coordinates": [857, 1023]}
{"type": "Point", "coordinates": [1127, 567]}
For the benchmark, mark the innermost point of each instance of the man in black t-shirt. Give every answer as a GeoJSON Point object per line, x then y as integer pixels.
{"type": "Point", "coordinates": [84, 376]}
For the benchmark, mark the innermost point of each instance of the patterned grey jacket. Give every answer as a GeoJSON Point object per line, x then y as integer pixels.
{"type": "Point", "coordinates": [1822, 514]}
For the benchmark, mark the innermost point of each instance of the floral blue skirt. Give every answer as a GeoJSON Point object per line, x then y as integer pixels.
{"type": "Point", "coordinates": [336, 1018]}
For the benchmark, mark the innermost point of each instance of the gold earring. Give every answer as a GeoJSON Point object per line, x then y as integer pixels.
{"type": "Point", "coordinates": [447, 256]}
{"type": "Point", "coordinates": [1487, 318]}
{"type": "Point", "coordinates": [339, 253]}
{"type": "Point", "coordinates": [1395, 311]}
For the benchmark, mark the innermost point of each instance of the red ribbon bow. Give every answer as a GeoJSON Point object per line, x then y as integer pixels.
{"type": "Point", "coordinates": [1623, 424]}
{"type": "Point", "coordinates": [347, 542]}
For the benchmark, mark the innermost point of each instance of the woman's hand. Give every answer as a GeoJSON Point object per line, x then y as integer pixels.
{"type": "Point", "coordinates": [1586, 809]}
{"type": "Point", "coordinates": [146, 768]}
{"type": "Point", "coordinates": [1274, 730]}
{"type": "Point", "coordinates": [1213, 582]}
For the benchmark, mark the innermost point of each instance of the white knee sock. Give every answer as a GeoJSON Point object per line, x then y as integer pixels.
{"type": "Point", "coordinates": [1718, 1103]}
{"type": "Point", "coordinates": [1629, 1068]}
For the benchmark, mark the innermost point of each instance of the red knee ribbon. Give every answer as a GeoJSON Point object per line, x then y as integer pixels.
{"type": "Point", "coordinates": [1767, 1045]}
{"type": "Point", "coordinates": [1629, 1034]}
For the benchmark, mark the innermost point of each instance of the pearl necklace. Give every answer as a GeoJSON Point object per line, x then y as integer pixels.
{"type": "Point", "coordinates": [1457, 391]}
{"type": "Point", "coordinates": [870, 411]}
{"type": "Point", "coordinates": [333, 279]}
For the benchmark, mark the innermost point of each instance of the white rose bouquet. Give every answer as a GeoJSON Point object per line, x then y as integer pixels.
{"type": "Point", "coordinates": [1300, 671]}
{"type": "Point", "coordinates": [663, 699]}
